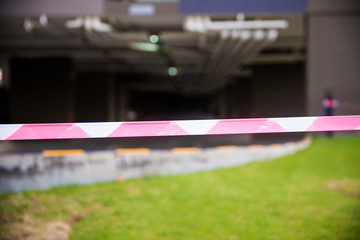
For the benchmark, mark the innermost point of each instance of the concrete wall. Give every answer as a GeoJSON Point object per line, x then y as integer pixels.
{"type": "Point", "coordinates": [45, 90]}
{"type": "Point", "coordinates": [39, 90]}
{"type": "Point", "coordinates": [34, 171]}
{"type": "Point", "coordinates": [333, 58]}
{"type": "Point", "coordinates": [4, 90]}
{"type": "Point", "coordinates": [279, 90]}
{"type": "Point", "coordinates": [100, 97]}
{"type": "Point", "coordinates": [240, 102]}
{"type": "Point", "coordinates": [91, 97]}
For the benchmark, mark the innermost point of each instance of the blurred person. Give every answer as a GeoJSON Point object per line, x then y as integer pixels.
{"type": "Point", "coordinates": [329, 104]}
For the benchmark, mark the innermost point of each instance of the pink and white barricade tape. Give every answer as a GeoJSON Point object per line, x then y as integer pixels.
{"type": "Point", "coordinates": [178, 128]}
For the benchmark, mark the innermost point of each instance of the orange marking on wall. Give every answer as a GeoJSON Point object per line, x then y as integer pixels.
{"type": "Point", "coordinates": [228, 147]}
{"type": "Point", "coordinates": [275, 145]}
{"type": "Point", "coordinates": [132, 151]}
{"type": "Point", "coordinates": [62, 153]}
{"type": "Point", "coordinates": [255, 146]}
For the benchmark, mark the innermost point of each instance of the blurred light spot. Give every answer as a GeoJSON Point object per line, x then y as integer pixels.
{"type": "Point", "coordinates": [240, 17]}
{"type": "Point", "coordinates": [28, 25]}
{"type": "Point", "coordinates": [172, 71]}
{"type": "Point", "coordinates": [43, 19]}
{"type": "Point", "coordinates": [154, 38]}
{"type": "Point", "coordinates": [142, 46]}
{"type": "Point", "coordinates": [76, 23]}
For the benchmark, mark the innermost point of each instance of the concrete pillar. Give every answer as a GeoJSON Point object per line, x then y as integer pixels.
{"type": "Point", "coordinates": [222, 104]}
{"type": "Point", "coordinates": [123, 101]}
{"type": "Point", "coordinates": [240, 98]}
{"type": "Point", "coordinates": [4, 90]}
{"type": "Point", "coordinates": [71, 97]}
{"type": "Point", "coordinates": [333, 59]}
{"type": "Point", "coordinates": [5, 72]}
{"type": "Point", "coordinates": [279, 90]}
{"type": "Point", "coordinates": [111, 98]}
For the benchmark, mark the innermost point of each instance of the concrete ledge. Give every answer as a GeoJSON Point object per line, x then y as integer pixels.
{"type": "Point", "coordinates": [63, 167]}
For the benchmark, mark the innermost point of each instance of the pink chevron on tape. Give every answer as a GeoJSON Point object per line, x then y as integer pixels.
{"type": "Point", "coordinates": [178, 128]}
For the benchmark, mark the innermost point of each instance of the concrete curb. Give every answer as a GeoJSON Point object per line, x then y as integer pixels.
{"type": "Point", "coordinates": [51, 168]}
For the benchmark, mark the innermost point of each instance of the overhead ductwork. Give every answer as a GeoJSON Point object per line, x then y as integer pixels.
{"type": "Point", "coordinates": [203, 24]}
{"type": "Point", "coordinates": [243, 46]}
{"type": "Point", "coordinates": [210, 50]}
{"type": "Point", "coordinates": [238, 42]}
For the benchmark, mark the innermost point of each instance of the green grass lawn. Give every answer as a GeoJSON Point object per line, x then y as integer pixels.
{"type": "Point", "coordinates": [313, 194]}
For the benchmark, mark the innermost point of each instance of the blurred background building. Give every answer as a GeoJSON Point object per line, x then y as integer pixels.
{"type": "Point", "coordinates": [113, 60]}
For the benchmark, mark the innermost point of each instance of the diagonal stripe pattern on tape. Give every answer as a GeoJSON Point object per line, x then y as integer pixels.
{"type": "Point", "coordinates": [296, 124]}
{"type": "Point", "coordinates": [178, 128]}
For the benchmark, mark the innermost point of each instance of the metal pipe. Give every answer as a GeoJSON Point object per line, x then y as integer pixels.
{"type": "Point", "coordinates": [268, 37]}
{"type": "Point", "coordinates": [242, 41]}
{"type": "Point", "coordinates": [226, 51]}
{"type": "Point", "coordinates": [262, 39]}
{"type": "Point", "coordinates": [259, 24]}
{"type": "Point", "coordinates": [89, 23]}
{"type": "Point", "coordinates": [224, 36]}
{"type": "Point", "coordinates": [257, 37]}
{"type": "Point", "coordinates": [204, 24]}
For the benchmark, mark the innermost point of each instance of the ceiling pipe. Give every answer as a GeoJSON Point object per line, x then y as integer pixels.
{"type": "Point", "coordinates": [203, 24]}
{"type": "Point", "coordinates": [216, 58]}
{"type": "Point", "coordinates": [262, 39]}
{"type": "Point", "coordinates": [238, 54]}
{"type": "Point", "coordinates": [89, 23]}
{"type": "Point", "coordinates": [246, 40]}
{"type": "Point", "coordinates": [242, 40]}
{"type": "Point", "coordinates": [43, 25]}
{"type": "Point", "coordinates": [226, 51]}
{"type": "Point", "coordinates": [251, 25]}
{"type": "Point", "coordinates": [257, 37]}
{"type": "Point", "coordinates": [31, 24]}
{"type": "Point", "coordinates": [224, 35]}
{"type": "Point", "coordinates": [267, 37]}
